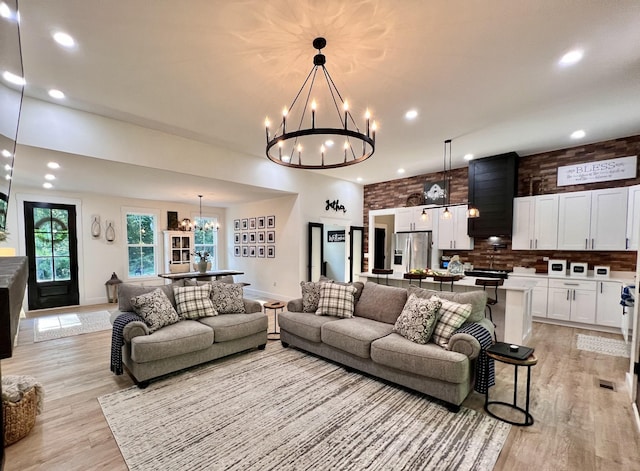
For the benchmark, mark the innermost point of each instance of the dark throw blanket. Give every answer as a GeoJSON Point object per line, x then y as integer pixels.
{"type": "Point", "coordinates": [117, 340]}
{"type": "Point", "coordinates": [485, 377]}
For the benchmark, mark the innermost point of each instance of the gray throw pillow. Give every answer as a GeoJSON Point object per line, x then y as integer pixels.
{"type": "Point", "coordinates": [194, 302]}
{"type": "Point", "coordinates": [336, 300]}
{"type": "Point", "coordinates": [227, 297]}
{"type": "Point", "coordinates": [418, 319]}
{"type": "Point", "coordinates": [155, 309]}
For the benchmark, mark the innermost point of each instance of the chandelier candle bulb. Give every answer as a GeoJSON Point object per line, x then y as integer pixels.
{"type": "Point", "coordinates": [345, 105]}
{"type": "Point", "coordinates": [313, 114]}
{"type": "Point", "coordinates": [284, 120]}
{"type": "Point", "coordinates": [367, 116]}
{"type": "Point", "coordinates": [266, 125]}
{"type": "Point", "coordinates": [322, 152]}
{"type": "Point", "coordinates": [280, 149]}
{"type": "Point", "coordinates": [374, 126]}
{"type": "Point", "coordinates": [346, 147]}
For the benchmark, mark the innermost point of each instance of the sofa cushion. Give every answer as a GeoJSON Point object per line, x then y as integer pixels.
{"type": "Point", "coordinates": [193, 302]}
{"type": "Point", "coordinates": [354, 335]}
{"type": "Point", "coordinates": [305, 325]}
{"type": "Point", "coordinates": [381, 303]}
{"type": "Point", "coordinates": [452, 316]}
{"type": "Point", "coordinates": [418, 319]}
{"type": "Point", "coordinates": [227, 297]}
{"type": "Point", "coordinates": [310, 295]}
{"type": "Point", "coordinates": [155, 309]}
{"type": "Point", "coordinates": [228, 327]}
{"type": "Point", "coordinates": [126, 291]}
{"type": "Point", "coordinates": [428, 360]}
{"type": "Point", "coordinates": [477, 299]}
{"type": "Point", "coordinates": [177, 339]}
{"type": "Point", "coordinates": [336, 300]}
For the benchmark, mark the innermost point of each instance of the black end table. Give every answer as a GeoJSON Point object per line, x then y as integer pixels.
{"type": "Point", "coordinates": [531, 360]}
{"type": "Point", "coordinates": [274, 305]}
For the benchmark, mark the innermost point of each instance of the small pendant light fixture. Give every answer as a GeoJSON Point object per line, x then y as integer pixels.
{"type": "Point", "coordinates": [446, 214]}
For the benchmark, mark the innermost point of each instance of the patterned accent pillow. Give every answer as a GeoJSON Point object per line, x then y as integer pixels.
{"type": "Point", "coordinates": [227, 297]}
{"type": "Point", "coordinates": [336, 300]}
{"type": "Point", "coordinates": [418, 319]}
{"type": "Point", "coordinates": [155, 309]}
{"type": "Point", "coordinates": [311, 294]}
{"type": "Point", "coordinates": [452, 316]}
{"type": "Point", "coordinates": [193, 302]}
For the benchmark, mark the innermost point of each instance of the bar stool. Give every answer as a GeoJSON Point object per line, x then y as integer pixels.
{"type": "Point", "coordinates": [492, 283]}
{"type": "Point", "coordinates": [444, 279]}
{"type": "Point", "coordinates": [382, 271]}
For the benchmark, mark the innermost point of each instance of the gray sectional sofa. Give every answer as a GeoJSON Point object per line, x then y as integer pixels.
{"type": "Point", "coordinates": [367, 342]}
{"type": "Point", "coordinates": [147, 355]}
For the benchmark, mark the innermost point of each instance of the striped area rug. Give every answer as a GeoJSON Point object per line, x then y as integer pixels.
{"type": "Point", "coordinates": [282, 409]}
{"type": "Point", "coordinates": [604, 345]}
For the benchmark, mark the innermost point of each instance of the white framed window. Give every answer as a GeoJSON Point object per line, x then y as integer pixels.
{"type": "Point", "coordinates": [142, 235]}
{"type": "Point", "coordinates": [206, 240]}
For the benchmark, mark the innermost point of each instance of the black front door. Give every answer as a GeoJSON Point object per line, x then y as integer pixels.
{"type": "Point", "coordinates": [51, 241]}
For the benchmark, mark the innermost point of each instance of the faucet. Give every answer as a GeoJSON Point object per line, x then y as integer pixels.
{"type": "Point", "coordinates": [491, 261]}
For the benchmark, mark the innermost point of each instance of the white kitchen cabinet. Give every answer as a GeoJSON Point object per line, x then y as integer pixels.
{"type": "Point", "coordinates": [633, 218]}
{"type": "Point", "coordinates": [178, 247]}
{"type": "Point", "coordinates": [608, 308]}
{"type": "Point", "coordinates": [452, 232]}
{"type": "Point", "coordinates": [592, 220]}
{"type": "Point", "coordinates": [410, 219]}
{"type": "Point", "coordinates": [539, 293]}
{"type": "Point", "coordinates": [535, 223]}
{"type": "Point", "coordinates": [572, 301]}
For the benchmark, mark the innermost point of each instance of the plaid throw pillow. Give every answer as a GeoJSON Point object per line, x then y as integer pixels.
{"type": "Point", "coordinates": [193, 302]}
{"type": "Point", "coordinates": [452, 316]}
{"type": "Point", "coordinates": [418, 319]}
{"type": "Point", "coordinates": [336, 300]}
{"type": "Point", "coordinates": [311, 294]}
{"type": "Point", "coordinates": [155, 308]}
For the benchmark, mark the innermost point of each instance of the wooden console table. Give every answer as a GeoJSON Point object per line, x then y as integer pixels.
{"type": "Point", "coordinates": [208, 275]}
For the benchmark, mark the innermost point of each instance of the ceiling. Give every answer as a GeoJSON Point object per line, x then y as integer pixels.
{"type": "Point", "coordinates": [482, 73]}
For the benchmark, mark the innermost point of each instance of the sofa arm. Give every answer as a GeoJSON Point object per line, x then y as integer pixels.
{"type": "Point", "coordinates": [251, 306]}
{"type": "Point", "coordinates": [135, 329]}
{"type": "Point", "coordinates": [467, 344]}
{"type": "Point", "coordinates": [295, 305]}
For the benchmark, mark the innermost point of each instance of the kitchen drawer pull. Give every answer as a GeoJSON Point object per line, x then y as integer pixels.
{"type": "Point", "coordinates": [586, 243]}
{"type": "Point", "coordinates": [568, 295]}
{"type": "Point", "coordinates": [571, 284]}
{"type": "Point", "coordinates": [574, 294]}
{"type": "Point", "coordinates": [593, 243]}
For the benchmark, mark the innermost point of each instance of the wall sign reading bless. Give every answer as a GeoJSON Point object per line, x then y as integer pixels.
{"type": "Point", "coordinates": [336, 236]}
{"type": "Point", "coordinates": [600, 171]}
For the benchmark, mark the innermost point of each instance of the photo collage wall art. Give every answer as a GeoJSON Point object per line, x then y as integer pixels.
{"type": "Point", "coordinates": [255, 237]}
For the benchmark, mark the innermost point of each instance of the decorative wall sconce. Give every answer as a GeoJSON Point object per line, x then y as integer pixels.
{"type": "Point", "coordinates": [95, 226]}
{"type": "Point", "coordinates": [110, 232]}
{"type": "Point", "coordinates": [112, 288]}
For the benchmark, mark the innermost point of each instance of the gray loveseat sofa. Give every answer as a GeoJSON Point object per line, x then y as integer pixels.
{"type": "Point", "coordinates": [147, 355]}
{"type": "Point", "coordinates": [366, 341]}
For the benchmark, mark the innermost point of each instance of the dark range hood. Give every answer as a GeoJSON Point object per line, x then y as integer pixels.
{"type": "Point", "coordinates": [492, 187]}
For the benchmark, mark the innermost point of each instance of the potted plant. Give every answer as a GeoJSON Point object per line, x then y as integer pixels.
{"type": "Point", "coordinates": [203, 260]}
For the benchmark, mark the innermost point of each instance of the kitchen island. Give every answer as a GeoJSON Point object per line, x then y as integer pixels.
{"type": "Point", "coordinates": [512, 313]}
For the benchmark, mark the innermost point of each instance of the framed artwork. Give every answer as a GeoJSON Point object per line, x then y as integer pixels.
{"type": "Point", "coordinates": [236, 250]}
{"type": "Point", "coordinates": [271, 237]}
{"type": "Point", "coordinates": [245, 251]}
{"type": "Point", "coordinates": [435, 192]}
{"type": "Point", "coordinates": [236, 238]}
{"type": "Point", "coordinates": [172, 221]}
{"type": "Point", "coordinates": [261, 237]}
{"type": "Point", "coordinates": [244, 224]}
{"type": "Point", "coordinates": [252, 224]}
{"type": "Point", "coordinates": [261, 222]}
{"type": "Point", "coordinates": [236, 224]}
{"type": "Point", "coordinates": [252, 237]}
{"type": "Point", "coordinates": [261, 251]}
{"type": "Point", "coordinates": [252, 251]}
{"type": "Point", "coordinates": [271, 222]}
{"type": "Point", "coordinates": [245, 237]}
{"type": "Point", "coordinates": [271, 251]}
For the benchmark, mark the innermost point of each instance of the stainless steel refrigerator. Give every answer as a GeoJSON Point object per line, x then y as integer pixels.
{"type": "Point", "coordinates": [413, 250]}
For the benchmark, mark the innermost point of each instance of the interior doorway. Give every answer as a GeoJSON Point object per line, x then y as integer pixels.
{"type": "Point", "coordinates": [380, 247]}
{"type": "Point", "coordinates": [52, 250]}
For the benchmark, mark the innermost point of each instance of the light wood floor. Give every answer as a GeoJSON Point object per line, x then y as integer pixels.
{"type": "Point", "coordinates": [578, 425]}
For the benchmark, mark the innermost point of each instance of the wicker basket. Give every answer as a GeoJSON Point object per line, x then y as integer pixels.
{"type": "Point", "coordinates": [19, 417]}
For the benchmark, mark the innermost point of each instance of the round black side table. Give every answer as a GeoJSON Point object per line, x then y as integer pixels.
{"type": "Point", "coordinates": [274, 306]}
{"type": "Point", "coordinates": [528, 362]}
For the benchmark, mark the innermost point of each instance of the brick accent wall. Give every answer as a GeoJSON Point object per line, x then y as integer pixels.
{"type": "Point", "coordinates": [536, 175]}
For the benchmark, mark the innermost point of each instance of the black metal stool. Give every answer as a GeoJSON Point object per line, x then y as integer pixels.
{"type": "Point", "coordinates": [492, 283]}
{"type": "Point", "coordinates": [444, 279]}
{"type": "Point", "coordinates": [382, 271]}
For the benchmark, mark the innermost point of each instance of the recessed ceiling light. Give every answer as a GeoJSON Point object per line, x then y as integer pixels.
{"type": "Point", "coordinates": [64, 39]}
{"type": "Point", "coordinates": [49, 176]}
{"type": "Point", "coordinates": [5, 11]}
{"type": "Point", "coordinates": [411, 114]}
{"type": "Point", "coordinates": [400, 170]}
{"type": "Point", "coordinates": [13, 78]}
{"type": "Point", "coordinates": [47, 185]}
{"type": "Point", "coordinates": [53, 165]}
{"type": "Point", "coordinates": [579, 134]}
{"type": "Point", "coordinates": [6, 153]}
{"type": "Point", "coordinates": [57, 94]}
{"type": "Point", "coordinates": [359, 179]}
{"type": "Point", "coordinates": [468, 157]}
{"type": "Point", "coordinates": [571, 57]}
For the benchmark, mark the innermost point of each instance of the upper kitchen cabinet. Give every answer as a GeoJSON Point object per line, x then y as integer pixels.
{"type": "Point", "coordinates": [593, 220]}
{"type": "Point", "coordinates": [633, 218]}
{"type": "Point", "coordinates": [492, 187]}
{"type": "Point", "coordinates": [411, 219]}
{"type": "Point", "coordinates": [452, 232]}
{"type": "Point", "coordinates": [535, 223]}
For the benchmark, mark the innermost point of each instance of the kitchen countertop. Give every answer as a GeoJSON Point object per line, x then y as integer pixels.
{"type": "Point", "coordinates": [618, 276]}
{"type": "Point", "coordinates": [467, 281]}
